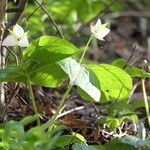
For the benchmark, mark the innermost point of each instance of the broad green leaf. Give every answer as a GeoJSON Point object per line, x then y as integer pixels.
{"type": "Point", "coordinates": [115, 144]}
{"type": "Point", "coordinates": [39, 62]}
{"type": "Point", "coordinates": [114, 82]}
{"type": "Point", "coordinates": [12, 74]}
{"type": "Point", "coordinates": [65, 140]}
{"type": "Point", "coordinates": [113, 122]}
{"type": "Point", "coordinates": [132, 71]}
{"type": "Point", "coordinates": [120, 62]}
{"type": "Point", "coordinates": [49, 49]}
{"type": "Point", "coordinates": [81, 77]}
{"type": "Point", "coordinates": [118, 108]}
{"type": "Point", "coordinates": [138, 103]}
{"type": "Point", "coordinates": [79, 136]}
{"type": "Point", "coordinates": [48, 76]}
{"type": "Point", "coordinates": [137, 72]}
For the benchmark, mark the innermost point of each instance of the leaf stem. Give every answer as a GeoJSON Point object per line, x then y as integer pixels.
{"type": "Point", "coordinates": [33, 100]}
{"type": "Point", "coordinates": [145, 101]}
{"type": "Point", "coordinates": [86, 47]}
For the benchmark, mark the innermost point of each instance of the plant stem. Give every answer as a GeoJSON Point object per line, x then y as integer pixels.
{"type": "Point", "coordinates": [146, 101]}
{"type": "Point", "coordinates": [33, 100]}
{"type": "Point", "coordinates": [86, 47]}
{"type": "Point", "coordinates": [59, 108]}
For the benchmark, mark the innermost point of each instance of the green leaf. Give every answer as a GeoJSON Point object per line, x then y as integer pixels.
{"type": "Point", "coordinates": [114, 82]}
{"type": "Point", "coordinates": [113, 122]}
{"type": "Point", "coordinates": [49, 49]}
{"type": "Point", "coordinates": [39, 62]}
{"type": "Point", "coordinates": [49, 76]}
{"type": "Point", "coordinates": [132, 71]}
{"type": "Point", "coordinates": [4, 145]}
{"type": "Point", "coordinates": [136, 72]}
{"type": "Point", "coordinates": [79, 136]}
{"type": "Point", "coordinates": [12, 74]}
{"type": "Point", "coordinates": [81, 77]}
{"type": "Point", "coordinates": [65, 140]}
{"type": "Point", "coordinates": [120, 62]}
{"type": "Point", "coordinates": [115, 144]}
{"type": "Point", "coordinates": [138, 103]}
{"type": "Point", "coordinates": [121, 109]}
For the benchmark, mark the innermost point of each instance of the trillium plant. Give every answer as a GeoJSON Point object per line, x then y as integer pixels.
{"type": "Point", "coordinates": [17, 37]}
{"type": "Point", "coordinates": [47, 61]}
{"type": "Point", "coordinates": [99, 30]}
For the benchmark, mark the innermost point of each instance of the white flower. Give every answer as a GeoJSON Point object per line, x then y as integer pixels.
{"type": "Point", "coordinates": [17, 37]}
{"type": "Point", "coordinates": [100, 30]}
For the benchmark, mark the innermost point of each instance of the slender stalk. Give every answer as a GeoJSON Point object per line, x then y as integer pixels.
{"type": "Point", "coordinates": [33, 100]}
{"type": "Point", "coordinates": [59, 108]}
{"type": "Point", "coordinates": [86, 47]}
{"type": "Point", "coordinates": [146, 101]}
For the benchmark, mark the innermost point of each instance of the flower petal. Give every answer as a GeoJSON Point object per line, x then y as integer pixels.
{"type": "Point", "coordinates": [98, 24]}
{"type": "Point", "coordinates": [23, 41]}
{"type": "Point", "coordinates": [99, 30]}
{"type": "Point", "coordinates": [18, 30]}
{"type": "Point", "coordinates": [103, 33]}
{"type": "Point", "coordinates": [11, 40]}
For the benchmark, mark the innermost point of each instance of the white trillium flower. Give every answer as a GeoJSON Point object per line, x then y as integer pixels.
{"type": "Point", "coordinates": [99, 30]}
{"type": "Point", "coordinates": [17, 37]}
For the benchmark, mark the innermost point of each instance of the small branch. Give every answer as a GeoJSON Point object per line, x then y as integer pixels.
{"type": "Point", "coordinates": [50, 18]}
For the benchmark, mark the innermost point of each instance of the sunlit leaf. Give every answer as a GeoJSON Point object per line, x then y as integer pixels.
{"type": "Point", "coordinates": [81, 77]}
{"type": "Point", "coordinates": [114, 82]}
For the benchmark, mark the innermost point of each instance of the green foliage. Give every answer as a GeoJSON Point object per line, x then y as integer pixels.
{"type": "Point", "coordinates": [135, 141]}
{"type": "Point", "coordinates": [114, 144]}
{"type": "Point", "coordinates": [66, 140]}
{"type": "Point", "coordinates": [47, 62]}
{"type": "Point", "coordinates": [138, 103]}
{"type": "Point", "coordinates": [131, 70]}
{"type": "Point", "coordinates": [77, 12]}
{"type": "Point", "coordinates": [49, 49]}
{"type": "Point", "coordinates": [117, 145]}
{"type": "Point", "coordinates": [111, 82]}
{"type": "Point", "coordinates": [39, 62]}
{"type": "Point", "coordinates": [13, 136]}
{"type": "Point", "coordinates": [116, 113]}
